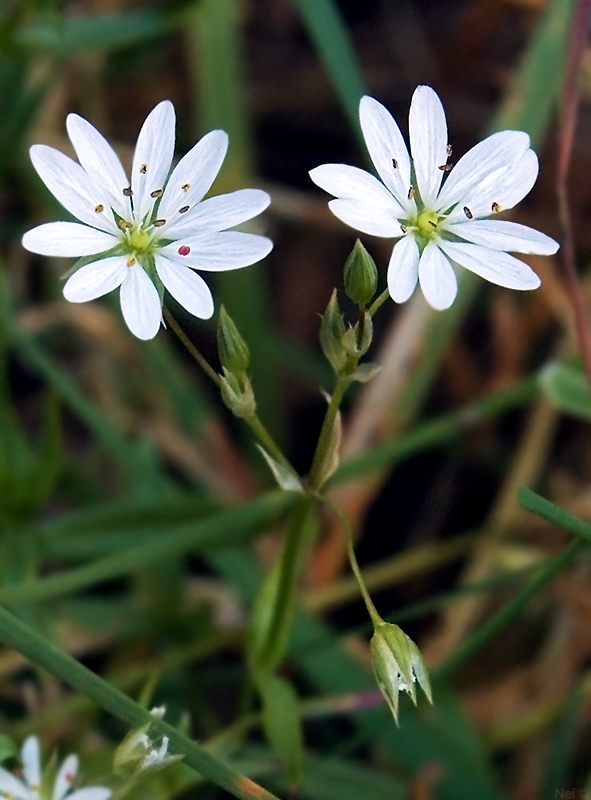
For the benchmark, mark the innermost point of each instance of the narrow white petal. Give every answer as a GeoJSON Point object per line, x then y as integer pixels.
{"type": "Point", "coordinates": [193, 176]}
{"type": "Point", "coordinates": [153, 157]}
{"type": "Point", "coordinates": [491, 154]}
{"type": "Point", "coordinates": [502, 235]}
{"type": "Point", "coordinates": [403, 269]}
{"type": "Point", "coordinates": [372, 219]}
{"type": "Point", "coordinates": [12, 787]}
{"type": "Point", "coordinates": [428, 141]}
{"type": "Point", "coordinates": [352, 183]}
{"type": "Point", "coordinates": [96, 279]}
{"type": "Point", "coordinates": [67, 239]}
{"type": "Point", "coordinates": [386, 148]}
{"type": "Point", "coordinates": [73, 187]}
{"type": "Point", "coordinates": [65, 777]}
{"type": "Point", "coordinates": [91, 793]}
{"type": "Point", "coordinates": [219, 251]}
{"type": "Point", "coordinates": [31, 761]}
{"type": "Point", "coordinates": [187, 288]}
{"type": "Point", "coordinates": [437, 278]}
{"type": "Point", "coordinates": [492, 265]}
{"type": "Point", "coordinates": [218, 213]}
{"type": "Point", "coordinates": [100, 161]}
{"type": "Point", "coordinates": [500, 190]}
{"type": "Point", "coordinates": [140, 303]}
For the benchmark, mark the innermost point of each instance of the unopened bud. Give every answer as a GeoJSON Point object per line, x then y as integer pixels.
{"type": "Point", "coordinates": [332, 331]}
{"type": "Point", "coordinates": [398, 664]}
{"type": "Point", "coordinates": [237, 394]}
{"type": "Point", "coordinates": [360, 275]}
{"type": "Point", "coordinates": [233, 350]}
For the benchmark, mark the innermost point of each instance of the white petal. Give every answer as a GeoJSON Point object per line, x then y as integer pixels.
{"type": "Point", "coordinates": [65, 777]}
{"type": "Point", "coordinates": [219, 251]}
{"type": "Point", "coordinates": [495, 152]}
{"type": "Point", "coordinates": [437, 278]}
{"type": "Point", "coordinates": [187, 288]}
{"type": "Point", "coordinates": [501, 189]}
{"type": "Point", "coordinates": [219, 213]}
{"type": "Point", "coordinates": [428, 141]}
{"type": "Point", "coordinates": [140, 303]}
{"type": "Point", "coordinates": [100, 162]}
{"type": "Point", "coordinates": [386, 146]}
{"type": "Point", "coordinates": [502, 235]}
{"type": "Point", "coordinates": [153, 157]}
{"type": "Point", "coordinates": [31, 761]}
{"type": "Point", "coordinates": [96, 279]}
{"type": "Point", "coordinates": [67, 239]}
{"type": "Point", "coordinates": [196, 172]}
{"type": "Point", "coordinates": [493, 265]}
{"type": "Point", "coordinates": [12, 787]}
{"type": "Point", "coordinates": [403, 269]}
{"type": "Point", "coordinates": [372, 219]}
{"type": "Point", "coordinates": [352, 183]}
{"type": "Point", "coordinates": [91, 793]}
{"type": "Point", "coordinates": [73, 187]}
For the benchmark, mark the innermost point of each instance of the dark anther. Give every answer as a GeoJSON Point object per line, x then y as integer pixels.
{"type": "Point", "coordinates": [467, 212]}
{"type": "Point", "coordinates": [127, 192]}
{"type": "Point", "coordinates": [157, 193]}
{"type": "Point", "coordinates": [183, 209]}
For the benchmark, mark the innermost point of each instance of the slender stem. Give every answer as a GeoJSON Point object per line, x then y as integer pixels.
{"type": "Point", "coordinates": [323, 448]}
{"type": "Point", "coordinates": [265, 438]}
{"type": "Point", "coordinates": [378, 302]}
{"type": "Point", "coordinates": [16, 634]}
{"type": "Point", "coordinates": [197, 355]}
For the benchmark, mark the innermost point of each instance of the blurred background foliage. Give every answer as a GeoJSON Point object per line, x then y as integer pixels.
{"type": "Point", "coordinates": [136, 517]}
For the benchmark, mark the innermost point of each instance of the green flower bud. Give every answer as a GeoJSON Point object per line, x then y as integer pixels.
{"type": "Point", "coordinates": [332, 331]}
{"type": "Point", "coordinates": [357, 340]}
{"type": "Point", "coordinates": [397, 663]}
{"type": "Point", "coordinates": [360, 275]}
{"type": "Point", "coordinates": [237, 394]}
{"type": "Point", "coordinates": [233, 350]}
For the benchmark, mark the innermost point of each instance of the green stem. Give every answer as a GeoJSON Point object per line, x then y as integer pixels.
{"type": "Point", "coordinates": [378, 302]}
{"type": "Point", "coordinates": [194, 351]}
{"type": "Point", "coordinates": [267, 441]}
{"type": "Point", "coordinates": [14, 633]}
{"type": "Point", "coordinates": [323, 448]}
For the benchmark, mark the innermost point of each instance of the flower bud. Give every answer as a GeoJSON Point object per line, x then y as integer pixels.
{"type": "Point", "coordinates": [397, 663]}
{"type": "Point", "coordinates": [237, 394]}
{"type": "Point", "coordinates": [360, 275]}
{"type": "Point", "coordinates": [233, 350]}
{"type": "Point", "coordinates": [332, 331]}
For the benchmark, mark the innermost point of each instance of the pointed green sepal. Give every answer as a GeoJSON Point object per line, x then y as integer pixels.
{"type": "Point", "coordinates": [233, 350]}
{"type": "Point", "coordinates": [237, 394]}
{"type": "Point", "coordinates": [332, 331]}
{"type": "Point", "coordinates": [360, 275]}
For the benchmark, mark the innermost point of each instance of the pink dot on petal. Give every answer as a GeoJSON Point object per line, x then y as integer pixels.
{"type": "Point", "coordinates": [69, 777]}
{"type": "Point", "coordinates": [184, 250]}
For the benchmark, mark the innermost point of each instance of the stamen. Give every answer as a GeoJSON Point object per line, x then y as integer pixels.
{"type": "Point", "coordinates": [131, 260]}
{"type": "Point", "coordinates": [126, 226]}
{"type": "Point", "coordinates": [446, 167]}
{"type": "Point", "coordinates": [69, 777]}
{"type": "Point", "coordinates": [184, 250]}
{"type": "Point", "coordinates": [128, 192]}
{"type": "Point", "coordinates": [411, 192]}
{"type": "Point", "coordinates": [144, 169]}
{"type": "Point", "coordinates": [158, 223]}
{"type": "Point", "coordinates": [495, 208]}
{"type": "Point", "coordinates": [449, 150]}
{"type": "Point", "coordinates": [185, 187]}
{"type": "Point", "coordinates": [183, 209]}
{"type": "Point", "coordinates": [403, 228]}
{"type": "Point", "coordinates": [468, 213]}
{"type": "Point", "coordinates": [157, 193]}
{"type": "Point", "coordinates": [99, 208]}
{"type": "Point", "coordinates": [395, 163]}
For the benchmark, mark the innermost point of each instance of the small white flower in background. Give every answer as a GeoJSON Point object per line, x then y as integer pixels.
{"type": "Point", "coordinates": [137, 753]}
{"type": "Point", "coordinates": [28, 786]}
{"type": "Point", "coordinates": [151, 232]}
{"type": "Point", "coordinates": [443, 223]}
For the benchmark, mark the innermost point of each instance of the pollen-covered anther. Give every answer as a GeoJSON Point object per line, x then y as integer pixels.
{"type": "Point", "coordinates": [99, 208]}
{"type": "Point", "coordinates": [446, 167]}
{"type": "Point", "coordinates": [131, 260]}
{"type": "Point", "coordinates": [449, 150]}
{"type": "Point", "coordinates": [403, 228]}
{"type": "Point", "coordinates": [128, 192]}
{"type": "Point", "coordinates": [157, 193]}
{"type": "Point", "coordinates": [69, 777]}
{"type": "Point", "coordinates": [468, 213]}
{"type": "Point", "coordinates": [411, 192]}
{"type": "Point", "coordinates": [185, 187]}
{"type": "Point", "coordinates": [158, 223]}
{"type": "Point", "coordinates": [395, 163]}
{"type": "Point", "coordinates": [495, 208]}
{"type": "Point", "coordinates": [125, 225]}
{"type": "Point", "coordinates": [144, 169]}
{"type": "Point", "coordinates": [183, 210]}
{"type": "Point", "coordinates": [184, 250]}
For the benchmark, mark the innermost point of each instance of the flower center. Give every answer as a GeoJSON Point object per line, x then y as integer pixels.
{"type": "Point", "coordinates": [426, 224]}
{"type": "Point", "coordinates": [139, 239]}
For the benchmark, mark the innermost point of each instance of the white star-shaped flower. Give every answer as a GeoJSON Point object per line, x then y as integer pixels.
{"type": "Point", "coordinates": [151, 232]}
{"type": "Point", "coordinates": [28, 785]}
{"type": "Point", "coordinates": [443, 223]}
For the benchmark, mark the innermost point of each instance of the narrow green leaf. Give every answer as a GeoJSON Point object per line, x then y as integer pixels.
{"type": "Point", "coordinates": [558, 760]}
{"type": "Point", "coordinates": [282, 723]}
{"type": "Point", "coordinates": [551, 513]}
{"type": "Point", "coordinates": [567, 387]}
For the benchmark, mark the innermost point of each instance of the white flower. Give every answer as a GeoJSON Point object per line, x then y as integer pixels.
{"type": "Point", "coordinates": [442, 225]}
{"type": "Point", "coordinates": [150, 232]}
{"type": "Point", "coordinates": [28, 785]}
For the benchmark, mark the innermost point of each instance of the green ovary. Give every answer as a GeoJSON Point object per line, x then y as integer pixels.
{"type": "Point", "coordinates": [139, 240]}
{"type": "Point", "coordinates": [426, 224]}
